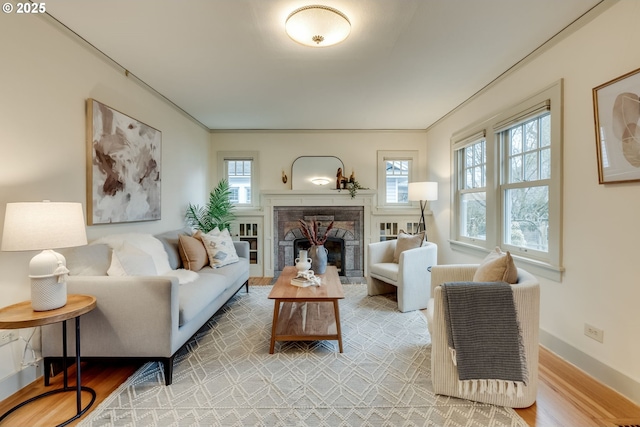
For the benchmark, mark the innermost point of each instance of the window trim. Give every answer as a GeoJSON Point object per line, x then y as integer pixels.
{"type": "Point", "coordinates": [383, 156]}
{"type": "Point", "coordinates": [253, 156]}
{"type": "Point", "coordinates": [551, 265]}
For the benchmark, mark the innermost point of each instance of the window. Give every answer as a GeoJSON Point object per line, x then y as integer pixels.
{"type": "Point", "coordinates": [395, 171]}
{"type": "Point", "coordinates": [240, 169]}
{"type": "Point", "coordinates": [239, 176]}
{"type": "Point", "coordinates": [507, 183]}
{"type": "Point", "coordinates": [397, 181]}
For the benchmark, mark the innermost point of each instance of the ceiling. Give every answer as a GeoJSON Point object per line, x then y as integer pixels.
{"type": "Point", "coordinates": [230, 65]}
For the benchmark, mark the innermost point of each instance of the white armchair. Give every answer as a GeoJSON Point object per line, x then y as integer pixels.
{"type": "Point", "coordinates": [410, 277]}
{"type": "Point", "coordinates": [444, 374]}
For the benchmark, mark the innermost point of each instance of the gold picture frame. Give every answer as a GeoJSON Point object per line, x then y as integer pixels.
{"type": "Point", "coordinates": [124, 159]}
{"type": "Point", "coordinates": [616, 108]}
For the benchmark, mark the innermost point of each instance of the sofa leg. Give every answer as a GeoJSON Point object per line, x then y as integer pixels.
{"type": "Point", "coordinates": [246, 285]}
{"type": "Point", "coordinates": [167, 363]}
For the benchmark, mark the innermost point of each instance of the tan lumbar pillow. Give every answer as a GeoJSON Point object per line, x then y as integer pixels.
{"type": "Point", "coordinates": [406, 242]}
{"type": "Point", "coordinates": [498, 266]}
{"type": "Point", "coordinates": [192, 252]}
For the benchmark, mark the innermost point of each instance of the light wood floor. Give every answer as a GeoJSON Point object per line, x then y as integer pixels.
{"type": "Point", "coordinates": [567, 397]}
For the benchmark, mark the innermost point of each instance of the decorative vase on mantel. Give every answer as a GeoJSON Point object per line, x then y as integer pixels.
{"type": "Point", "coordinates": [318, 255]}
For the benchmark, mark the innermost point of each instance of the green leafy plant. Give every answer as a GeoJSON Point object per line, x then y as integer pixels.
{"type": "Point", "coordinates": [353, 187]}
{"type": "Point", "coordinates": [218, 212]}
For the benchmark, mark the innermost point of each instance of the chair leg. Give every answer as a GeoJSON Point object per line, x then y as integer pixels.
{"type": "Point", "coordinates": [378, 287]}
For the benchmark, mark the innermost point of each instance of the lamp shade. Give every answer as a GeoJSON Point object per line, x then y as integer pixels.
{"type": "Point", "coordinates": [423, 191]}
{"type": "Point", "coordinates": [32, 226]}
{"type": "Point", "coordinates": [317, 26]}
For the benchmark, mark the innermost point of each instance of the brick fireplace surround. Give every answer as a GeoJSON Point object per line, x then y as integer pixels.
{"type": "Point", "coordinates": [348, 227]}
{"type": "Point", "coordinates": [352, 223]}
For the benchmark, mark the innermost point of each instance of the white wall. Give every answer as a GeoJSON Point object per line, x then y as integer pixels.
{"type": "Point", "coordinates": [46, 75]}
{"type": "Point", "coordinates": [601, 233]}
{"type": "Point", "coordinates": [356, 149]}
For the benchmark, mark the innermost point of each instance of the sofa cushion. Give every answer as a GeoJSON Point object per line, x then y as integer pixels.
{"type": "Point", "coordinates": [406, 242]}
{"type": "Point", "coordinates": [234, 273]}
{"type": "Point", "coordinates": [128, 260]}
{"type": "Point", "coordinates": [192, 252]}
{"type": "Point", "coordinates": [195, 296]}
{"type": "Point", "coordinates": [498, 266]}
{"type": "Point", "coordinates": [88, 260]}
{"type": "Point", "coordinates": [387, 271]}
{"type": "Point", "coordinates": [169, 240]}
{"type": "Point", "coordinates": [145, 242]}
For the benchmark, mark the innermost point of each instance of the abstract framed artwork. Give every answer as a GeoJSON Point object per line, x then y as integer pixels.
{"type": "Point", "coordinates": [616, 107]}
{"type": "Point", "coordinates": [123, 167]}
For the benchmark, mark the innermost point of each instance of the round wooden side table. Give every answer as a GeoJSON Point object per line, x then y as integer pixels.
{"type": "Point", "coordinates": [21, 315]}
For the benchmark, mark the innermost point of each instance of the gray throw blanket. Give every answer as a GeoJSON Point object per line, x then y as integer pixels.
{"type": "Point", "coordinates": [484, 337]}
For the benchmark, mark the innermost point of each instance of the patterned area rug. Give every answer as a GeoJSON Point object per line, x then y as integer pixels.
{"type": "Point", "coordinates": [226, 377]}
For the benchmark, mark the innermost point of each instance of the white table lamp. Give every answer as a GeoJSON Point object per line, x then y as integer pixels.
{"type": "Point", "coordinates": [44, 226]}
{"type": "Point", "coordinates": [423, 192]}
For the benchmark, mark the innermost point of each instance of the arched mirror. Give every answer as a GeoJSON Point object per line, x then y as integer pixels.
{"type": "Point", "coordinates": [315, 172]}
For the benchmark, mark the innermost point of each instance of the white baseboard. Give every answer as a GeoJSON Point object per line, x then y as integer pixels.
{"type": "Point", "coordinates": [18, 380]}
{"type": "Point", "coordinates": [621, 383]}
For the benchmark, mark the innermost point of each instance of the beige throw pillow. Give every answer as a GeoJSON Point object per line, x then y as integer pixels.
{"type": "Point", "coordinates": [192, 252]}
{"type": "Point", "coordinates": [220, 248]}
{"type": "Point", "coordinates": [406, 242]}
{"type": "Point", "coordinates": [498, 266]}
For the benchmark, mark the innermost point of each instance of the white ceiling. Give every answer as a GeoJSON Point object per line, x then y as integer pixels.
{"type": "Point", "coordinates": [230, 65]}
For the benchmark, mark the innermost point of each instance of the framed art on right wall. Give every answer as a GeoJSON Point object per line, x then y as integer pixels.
{"type": "Point", "coordinates": [616, 108]}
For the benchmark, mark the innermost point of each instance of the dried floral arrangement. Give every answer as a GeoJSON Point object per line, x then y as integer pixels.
{"type": "Point", "coordinates": [312, 232]}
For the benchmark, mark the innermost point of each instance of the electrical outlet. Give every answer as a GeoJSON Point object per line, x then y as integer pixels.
{"type": "Point", "coordinates": [593, 332]}
{"type": "Point", "coordinates": [7, 336]}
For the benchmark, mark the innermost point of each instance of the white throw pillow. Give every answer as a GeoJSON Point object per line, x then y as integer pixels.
{"type": "Point", "coordinates": [220, 248]}
{"type": "Point", "coordinates": [145, 242]}
{"type": "Point", "coordinates": [131, 261]}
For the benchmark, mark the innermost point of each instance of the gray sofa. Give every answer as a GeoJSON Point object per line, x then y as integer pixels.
{"type": "Point", "coordinates": [142, 317]}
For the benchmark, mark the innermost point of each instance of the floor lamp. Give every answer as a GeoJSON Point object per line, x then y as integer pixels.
{"type": "Point", "coordinates": [423, 192]}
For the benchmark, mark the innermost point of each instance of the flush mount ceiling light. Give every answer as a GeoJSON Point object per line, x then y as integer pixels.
{"type": "Point", "coordinates": [317, 26]}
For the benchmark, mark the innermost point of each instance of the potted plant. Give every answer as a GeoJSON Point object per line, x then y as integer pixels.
{"type": "Point", "coordinates": [218, 212]}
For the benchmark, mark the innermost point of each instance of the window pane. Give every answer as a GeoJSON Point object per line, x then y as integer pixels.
{"type": "Point", "coordinates": [545, 163]}
{"type": "Point", "coordinates": [531, 166]}
{"type": "Point", "coordinates": [473, 215]}
{"type": "Point", "coordinates": [231, 167]}
{"type": "Point", "coordinates": [527, 213]}
{"type": "Point", "coordinates": [468, 184]}
{"type": "Point", "coordinates": [545, 130]}
{"type": "Point", "coordinates": [515, 172]}
{"type": "Point", "coordinates": [531, 135]}
{"type": "Point", "coordinates": [516, 140]}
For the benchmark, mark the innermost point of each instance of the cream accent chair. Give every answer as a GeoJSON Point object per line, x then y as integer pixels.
{"type": "Point", "coordinates": [410, 277]}
{"type": "Point", "coordinates": [444, 375]}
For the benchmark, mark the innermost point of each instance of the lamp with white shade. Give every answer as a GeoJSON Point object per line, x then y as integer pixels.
{"type": "Point", "coordinates": [423, 192]}
{"type": "Point", "coordinates": [45, 226]}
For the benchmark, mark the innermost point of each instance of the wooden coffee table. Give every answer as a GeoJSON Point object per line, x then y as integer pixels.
{"type": "Point", "coordinates": [306, 314]}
